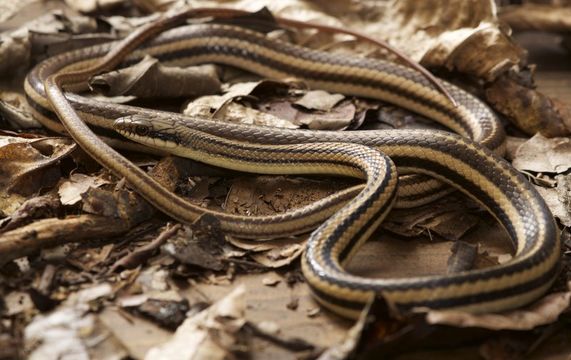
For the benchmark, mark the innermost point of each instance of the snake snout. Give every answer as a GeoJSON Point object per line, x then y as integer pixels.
{"type": "Point", "coordinates": [132, 126]}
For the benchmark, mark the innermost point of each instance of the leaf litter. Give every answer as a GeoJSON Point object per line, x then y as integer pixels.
{"type": "Point", "coordinates": [127, 260]}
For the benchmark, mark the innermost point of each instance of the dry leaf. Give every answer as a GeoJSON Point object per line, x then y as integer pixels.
{"type": "Point", "coordinates": [319, 100]}
{"type": "Point", "coordinates": [201, 244]}
{"type": "Point", "coordinates": [70, 191]}
{"type": "Point", "coordinates": [463, 257]}
{"type": "Point", "coordinates": [149, 78]}
{"type": "Point", "coordinates": [542, 17]}
{"type": "Point", "coordinates": [17, 302]}
{"type": "Point", "coordinates": [211, 334]}
{"type": "Point", "coordinates": [541, 154]}
{"type": "Point", "coordinates": [28, 165]}
{"type": "Point", "coordinates": [222, 107]}
{"type": "Point", "coordinates": [89, 6]}
{"type": "Point", "coordinates": [16, 111]}
{"type": "Point", "coordinates": [272, 279]}
{"type": "Point", "coordinates": [39, 207]}
{"type": "Point", "coordinates": [446, 217]}
{"type": "Point", "coordinates": [67, 331]}
{"type": "Point", "coordinates": [529, 109]}
{"type": "Point", "coordinates": [542, 312]}
{"type": "Point", "coordinates": [279, 257]}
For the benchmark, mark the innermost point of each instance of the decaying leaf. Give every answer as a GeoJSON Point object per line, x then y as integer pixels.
{"type": "Point", "coordinates": [541, 154]}
{"type": "Point", "coordinates": [70, 191]}
{"type": "Point", "coordinates": [34, 39]}
{"type": "Point", "coordinates": [223, 107]}
{"type": "Point", "coordinates": [558, 205]}
{"type": "Point", "coordinates": [201, 244]}
{"type": "Point", "coordinates": [446, 217]}
{"type": "Point", "coordinates": [67, 331]}
{"type": "Point", "coordinates": [542, 17]}
{"type": "Point", "coordinates": [39, 207]}
{"type": "Point", "coordinates": [89, 6]}
{"type": "Point", "coordinates": [15, 109]}
{"type": "Point", "coordinates": [149, 78]}
{"type": "Point", "coordinates": [272, 279]}
{"type": "Point", "coordinates": [319, 100]}
{"type": "Point", "coordinates": [543, 311]}
{"type": "Point", "coordinates": [166, 308]}
{"type": "Point", "coordinates": [462, 258]}
{"type": "Point", "coordinates": [28, 165]}
{"type": "Point", "coordinates": [338, 117]}
{"type": "Point", "coordinates": [528, 109]}
{"type": "Point", "coordinates": [213, 333]}
{"type": "Point", "coordinates": [279, 257]}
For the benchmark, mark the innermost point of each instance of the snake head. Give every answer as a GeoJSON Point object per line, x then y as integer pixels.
{"type": "Point", "coordinates": [153, 133]}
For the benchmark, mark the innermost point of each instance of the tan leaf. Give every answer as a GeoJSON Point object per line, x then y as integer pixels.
{"type": "Point", "coordinates": [210, 334]}
{"type": "Point", "coordinates": [542, 312]}
{"type": "Point", "coordinates": [319, 100]}
{"type": "Point", "coordinates": [149, 78]}
{"type": "Point", "coordinates": [541, 154]}
{"type": "Point", "coordinates": [70, 191]}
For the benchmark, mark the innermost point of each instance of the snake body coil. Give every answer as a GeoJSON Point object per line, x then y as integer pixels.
{"type": "Point", "coordinates": [463, 163]}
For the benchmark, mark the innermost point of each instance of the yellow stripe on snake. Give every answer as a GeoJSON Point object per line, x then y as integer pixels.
{"type": "Point", "coordinates": [355, 213]}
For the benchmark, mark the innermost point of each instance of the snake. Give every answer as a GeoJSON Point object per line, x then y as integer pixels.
{"type": "Point", "coordinates": [469, 161]}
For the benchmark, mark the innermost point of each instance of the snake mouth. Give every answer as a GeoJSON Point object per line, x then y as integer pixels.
{"type": "Point", "coordinates": [146, 132]}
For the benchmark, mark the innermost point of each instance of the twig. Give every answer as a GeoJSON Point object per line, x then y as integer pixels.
{"type": "Point", "coordinates": [51, 232]}
{"type": "Point", "coordinates": [136, 257]}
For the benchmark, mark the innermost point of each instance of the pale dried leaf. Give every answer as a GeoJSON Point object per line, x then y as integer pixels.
{"type": "Point", "coordinates": [279, 257]}
{"type": "Point", "coordinates": [15, 110]}
{"type": "Point", "coordinates": [209, 334]}
{"type": "Point", "coordinates": [541, 17]}
{"type": "Point", "coordinates": [542, 154]}
{"type": "Point", "coordinates": [222, 107]}
{"type": "Point", "coordinates": [542, 312]}
{"type": "Point", "coordinates": [17, 302]}
{"type": "Point", "coordinates": [66, 331]}
{"type": "Point", "coordinates": [272, 279]}
{"type": "Point", "coordinates": [11, 8]}
{"type": "Point", "coordinates": [259, 246]}
{"type": "Point", "coordinates": [89, 6]}
{"type": "Point", "coordinates": [339, 118]}
{"type": "Point", "coordinates": [70, 191]}
{"type": "Point", "coordinates": [558, 198]}
{"type": "Point", "coordinates": [319, 100]}
{"type": "Point", "coordinates": [149, 78]}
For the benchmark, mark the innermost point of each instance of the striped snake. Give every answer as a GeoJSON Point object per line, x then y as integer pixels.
{"type": "Point", "coordinates": [354, 213]}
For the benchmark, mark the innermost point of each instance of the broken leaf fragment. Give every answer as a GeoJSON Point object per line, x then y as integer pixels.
{"type": "Point", "coordinates": [544, 311]}
{"type": "Point", "coordinates": [213, 333]}
{"type": "Point", "coordinates": [200, 244]}
{"type": "Point", "coordinates": [28, 165]}
{"type": "Point", "coordinates": [70, 191]}
{"type": "Point", "coordinates": [541, 154]}
{"type": "Point", "coordinates": [150, 79]}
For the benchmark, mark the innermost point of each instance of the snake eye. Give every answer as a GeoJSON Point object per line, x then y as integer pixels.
{"type": "Point", "coordinates": [141, 130]}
